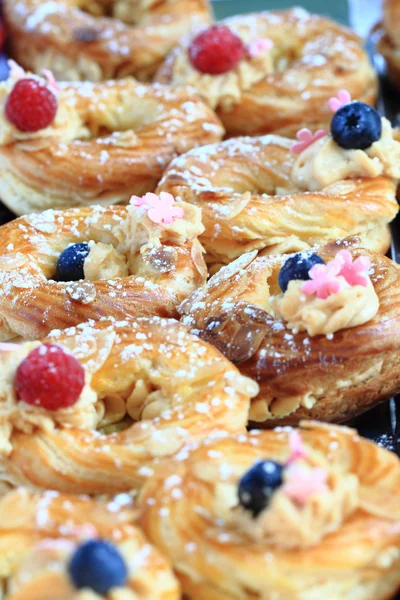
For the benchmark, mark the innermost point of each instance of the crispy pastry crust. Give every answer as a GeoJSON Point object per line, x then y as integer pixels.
{"type": "Point", "coordinates": [32, 526]}
{"type": "Point", "coordinates": [109, 141]}
{"type": "Point", "coordinates": [320, 58]}
{"type": "Point", "coordinates": [235, 182]}
{"type": "Point", "coordinates": [179, 388]}
{"type": "Point", "coordinates": [300, 376]}
{"type": "Point", "coordinates": [359, 560]}
{"type": "Point", "coordinates": [78, 41]}
{"type": "Point", "coordinates": [32, 303]}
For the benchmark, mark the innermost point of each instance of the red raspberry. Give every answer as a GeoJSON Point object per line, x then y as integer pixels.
{"type": "Point", "coordinates": [217, 50]}
{"type": "Point", "coordinates": [50, 378]}
{"type": "Point", "coordinates": [31, 105]}
{"type": "Point", "coordinates": [2, 36]}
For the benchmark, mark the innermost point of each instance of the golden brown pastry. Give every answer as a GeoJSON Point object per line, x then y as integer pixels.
{"type": "Point", "coordinates": [279, 88]}
{"type": "Point", "coordinates": [59, 547]}
{"type": "Point", "coordinates": [103, 142]}
{"type": "Point", "coordinates": [280, 515]}
{"type": "Point", "coordinates": [256, 194]}
{"type": "Point", "coordinates": [389, 42]}
{"type": "Point", "coordinates": [109, 262]}
{"type": "Point", "coordinates": [132, 393]}
{"type": "Point", "coordinates": [326, 357]}
{"type": "Point", "coordinates": [99, 39]}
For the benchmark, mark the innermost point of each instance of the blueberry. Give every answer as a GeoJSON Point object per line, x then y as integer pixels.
{"type": "Point", "coordinates": [356, 126]}
{"type": "Point", "coordinates": [70, 262]}
{"type": "Point", "coordinates": [298, 267]}
{"type": "Point", "coordinates": [258, 484]}
{"type": "Point", "coordinates": [99, 566]}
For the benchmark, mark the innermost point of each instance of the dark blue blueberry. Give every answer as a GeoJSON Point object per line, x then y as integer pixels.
{"type": "Point", "coordinates": [356, 126]}
{"type": "Point", "coordinates": [298, 267]}
{"type": "Point", "coordinates": [99, 566]}
{"type": "Point", "coordinates": [257, 485]}
{"type": "Point", "coordinates": [70, 262]}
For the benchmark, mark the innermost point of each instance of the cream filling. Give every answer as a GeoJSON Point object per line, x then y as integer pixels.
{"type": "Point", "coordinates": [227, 89]}
{"type": "Point", "coordinates": [324, 162]}
{"type": "Point", "coordinates": [138, 234]}
{"type": "Point", "coordinates": [85, 414]}
{"type": "Point", "coordinates": [287, 524]}
{"type": "Point", "coordinates": [350, 307]}
{"type": "Point", "coordinates": [104, 262]}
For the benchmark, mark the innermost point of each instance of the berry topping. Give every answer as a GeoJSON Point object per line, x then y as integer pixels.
{"type": "Point", "coordinates": [50, 378]}
{"type": "Point", "coordinates": [71, 261]}
{"type": "Point", "coordinates": [31, 105]}
{"type": "Point", "coordinates": [216, 51]}
{"type": "Point", "coordinates": [99, 566]}
{"type": "Point", "coordinates": [356, 126]}
{"type": "Point", "coordinates": [258, 484]}
{"type": "Point", "coordinates": [298, 267]}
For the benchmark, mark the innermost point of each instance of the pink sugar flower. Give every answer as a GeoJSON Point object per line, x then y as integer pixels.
{"type": "Point", "coordinates": [355, 273]}
{"type": "Point", "coordinates": [51, 81]}
{"type": "Point", "coordinates": [16, 72]}
{"type": "Point", "coordinates": [161, 209]}
{"type": "Point", "coordinates": [305, 139]}
{"type": "Point", "coordinates": [324, 280]}
{"type": "Point", "coordinates": [343, 98]}
{"type": "Point", "coordinates": [297, 447]}
{"type": "Point", "coordinates": [303, 483]}
{"type": "Point", "coordinates": [258, 46]}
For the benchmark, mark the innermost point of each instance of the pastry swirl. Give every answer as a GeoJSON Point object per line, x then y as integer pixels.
{"type": "Point", "coordinates": [158, 266]}
{"type": "Point", "coordinates": [39, 532]}
{"type": "Point", "coordinates": [251, 201]}
{"type": "Point", "coordinates": [330, 378]}
{"type": "Point", "coordinates": [311, 59]}
{"type": "Point", "coordinates": [150, 388]}
{"type": "Point", "coordinates": [95, 40]}
{"type": "Point", "coordinates": [108, 141]}
{"type": "Point", "coordinates": [212, 542]}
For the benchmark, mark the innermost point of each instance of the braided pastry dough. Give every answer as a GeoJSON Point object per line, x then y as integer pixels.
{"type": "Point", "coordinates": [330, 378]}
{"type": "Point", "coordinates": [99, 39]}
{"type": "Point", "coordinates": [108, 141]}
{"type": "Point", "coordinates": [38, 534]}
{"type": "Point", "coordinates": [251, 201]}
{"type": "Point", "coordinates": [288, 87]}
{"type": "Point", "coordinates": [160, 266]}
{"type": "Point", "coordinates": [150, 388]}
{"type": "Point", "coordinates": [221, 553]}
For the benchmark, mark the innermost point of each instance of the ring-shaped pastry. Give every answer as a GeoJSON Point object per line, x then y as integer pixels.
{"type": "Point", "coordinates": [283, 88]}
{"type": "Point", "coordinates": [329, 377]}
{"type": "Point", "coordinates": [108, 141]}
{"type": "Point", "coordinates": [334, 537]}
{"type": "Point", "coordinates": [134, 267]}
{"type": "Point", "coordinates": [40, 533]}
{"type": "Point", "coordinates": [150, 387]}
{"type": "Point", "coordinates": [96, 40]}
{"type": "Point", "coordinates": [389, 38]}
{"type": "Point", "coordinates": [253, 198]}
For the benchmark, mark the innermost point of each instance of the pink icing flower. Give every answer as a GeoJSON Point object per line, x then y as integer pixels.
{"type": "Point", "coordinates": [297, 447]}
{"type": "Point", "coordinates": [16, 72]}
{"type": "Point", "coordinates": [51, 81]}
{"type": "Point", "coordinates": [324, 280]}
{"type": "Point", "coordinates": [303, 483]}
{"type": "Point", "coordinates": [258, 46]}
{"type": "Point", "coordinates": [305, 139]}
{"type": "Point", "coordinates": [355, 273]}
{"type": "Point", "coordinates": [343, 98]}
{"type": "Point", "coordinates": [161, 209]}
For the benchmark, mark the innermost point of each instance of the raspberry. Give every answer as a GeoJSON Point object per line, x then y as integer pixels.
{"type": "Point", "coordinates": [50, 378]}
{"type": "Point", "coordinates": [217, 50]}
{"type": "Point", "coordinates": [31, 105]}
{"type": "Point", "coordinates": [2, 36]}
